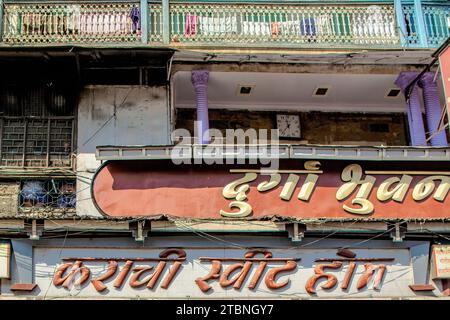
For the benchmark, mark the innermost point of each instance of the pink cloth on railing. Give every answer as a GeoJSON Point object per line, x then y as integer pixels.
{"type": "Point", "coordinates": [192, 22]}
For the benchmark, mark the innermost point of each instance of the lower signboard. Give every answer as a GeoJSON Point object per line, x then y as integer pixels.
{"type": "Point", "coordinates": [193, 272]}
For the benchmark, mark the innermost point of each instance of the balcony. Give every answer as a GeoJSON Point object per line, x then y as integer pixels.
{"type": "Point", "coordinates": [182, 24]}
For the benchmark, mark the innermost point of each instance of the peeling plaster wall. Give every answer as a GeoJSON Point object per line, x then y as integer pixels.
{"type": "Point", "coordinates": [9, 197]}
{"type": "Point", "coordinates": [141, 118]}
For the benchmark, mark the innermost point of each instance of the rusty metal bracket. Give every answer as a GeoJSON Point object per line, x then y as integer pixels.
{"type": "Point", "coordinates": [398, 231]}
{"type": "Point", "coordinates": [34, 231]}
{"type": "Point", "coordinates": [140, 229]}
{"type": "Point", "coordinates": [296, 231]}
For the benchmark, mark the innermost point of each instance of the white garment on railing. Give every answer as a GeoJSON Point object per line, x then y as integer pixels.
{"type": "Point", "coordinates": [73, 18]}
{"type": "Point", "coordinates": [218, 25]}
{"type": "Point", "coordinates": [12, 23]}
{"type": "Point", "coordinates": [323, 25]}
{"type": "Point", "coordinates": [256, 28]}
{"type": "Point", "coordinates": [372, 24]}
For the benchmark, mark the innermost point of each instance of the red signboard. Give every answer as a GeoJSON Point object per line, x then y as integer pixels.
{"type": "Point", "coordinates": [299, 189]}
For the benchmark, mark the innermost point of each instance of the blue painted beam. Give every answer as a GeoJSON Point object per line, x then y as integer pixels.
{"type": "Point", "coordinates": [420, 20]}
{"type": "Point", "coordinates": [144, 21]}
{"type": "Point", "coordinates": [1, 20]}
{"type": "Point", "coordinates": [165, 19]}
{"type": "Point", "coordinates": [419, 261]}
{"type": "Point", "coordinates": [23, 256]}
{"type": "Point", "coordinates": [400, 22]}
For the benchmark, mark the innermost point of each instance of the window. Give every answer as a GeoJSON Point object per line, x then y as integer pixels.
{"type": "Point", "coordinates": [46, 194]}
{"type": "Point", "coordinates": [36, 127]}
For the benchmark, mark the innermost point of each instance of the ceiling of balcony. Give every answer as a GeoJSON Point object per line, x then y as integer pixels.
{"type": "Point", "coordinates": [293, 91]}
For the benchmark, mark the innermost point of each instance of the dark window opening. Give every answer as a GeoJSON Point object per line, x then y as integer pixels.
{"type": "Point", "coordinates": [379, 127]}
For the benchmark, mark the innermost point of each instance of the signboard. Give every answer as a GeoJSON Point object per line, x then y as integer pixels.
{"type": "Point", "coordinates": [300, 189]}
{"type": "Point", "coordinates": [441, 261]}
{"type": "Point", "coordinates": [200, 272]}
{"type": "Point", "coordinates": [444, 62]}
{"type": "Point", "coordinates": [5, 260]}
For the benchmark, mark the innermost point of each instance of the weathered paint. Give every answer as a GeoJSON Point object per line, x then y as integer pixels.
{"type": "Point", "coordinates": [116, 115]}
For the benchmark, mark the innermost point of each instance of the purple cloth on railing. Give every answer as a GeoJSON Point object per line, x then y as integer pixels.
{"type": "Point", "coordinates": [308, 27]}
{"type": "Point", "coordinates": [135, 16]}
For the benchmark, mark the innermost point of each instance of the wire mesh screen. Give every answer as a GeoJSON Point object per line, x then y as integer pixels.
{"type": "Point", "coordinates": [47, 194]}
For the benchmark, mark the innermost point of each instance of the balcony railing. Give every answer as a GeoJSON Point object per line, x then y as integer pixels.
{"type": "Point", "coordinates": [183, 23]}
{"type": "Point", "coordinates": [61, 23]}
{"type": "Point", "coordinates": [436, 20]}
{"type": "Point", "coordinates": [283, 24]}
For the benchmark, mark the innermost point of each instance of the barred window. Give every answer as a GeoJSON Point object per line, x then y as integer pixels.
{"type": "Point", "coordinates": [36, 127]}
{"type": "Point", "coordinates": [47, 194]}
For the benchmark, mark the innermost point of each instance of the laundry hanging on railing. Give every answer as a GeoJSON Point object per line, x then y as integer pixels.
{"type": "Point", "coordinates": [135, 16]}
{"type": "Point", "coordinates": [256, 28]}
{"type": "Point", "coordinates": [191, 27]}
{"type": "Point", "coordinates": [308, 27]}
{"type": "Point", "coordinates": [218, 25]}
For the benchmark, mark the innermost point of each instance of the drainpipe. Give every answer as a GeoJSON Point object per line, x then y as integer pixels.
{"type": "Point", "coordinates": [199, 79]}
{"type": "Point", "coordinates": [144, 6]}
{"type": "Point", "coordinates": [415, 120]}
{"type": "Point", "coordinates": [433, 109]}
{"type": "Point", "coordinates": [1, 20]}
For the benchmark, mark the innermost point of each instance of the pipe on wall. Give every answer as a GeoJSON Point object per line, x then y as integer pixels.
{"type": "Point", "coordinates": [433, 109]}
{"type": "Point", "coordinates": [199, 80]}
{"type": "Point", "coordinates": [415, 120]}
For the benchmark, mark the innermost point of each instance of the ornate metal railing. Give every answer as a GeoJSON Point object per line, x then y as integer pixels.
{"type": "Point", "coordinates": [61, 23]}
{"type": "Point", "coordinates": [250, 24]}
{"type": "Point", "coordinates": [437, 23]}
{"type": "Point", "coordinates": [186, 23]}
{"type": "Point", "coordinates": [436, 20]}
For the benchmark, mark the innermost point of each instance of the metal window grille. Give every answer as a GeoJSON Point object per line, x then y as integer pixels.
{"type": "Point", "coordinates": [36, 128]}
{"type": "Point", "coordinates": [47, 194]}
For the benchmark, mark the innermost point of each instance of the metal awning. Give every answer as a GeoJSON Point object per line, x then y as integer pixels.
{"type": "Point", "coordinates": [282, 151]}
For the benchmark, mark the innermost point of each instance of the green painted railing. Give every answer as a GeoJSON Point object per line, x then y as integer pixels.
{"type": "Point", "coordinates": [250, 24]}
{"type": "Point", "coordinates": [30, 23]}
{"type": "Point", "coordinates": [186, 23]}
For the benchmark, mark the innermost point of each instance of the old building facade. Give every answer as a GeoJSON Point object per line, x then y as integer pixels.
{"type": "Point", "coordinates": [226, 149]}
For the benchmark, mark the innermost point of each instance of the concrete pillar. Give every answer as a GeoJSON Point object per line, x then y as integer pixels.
{"type": "Point", "coordinates": [433, 109]}
{"type": "Point", "coordinates": [415, 120]}
{"type": "Point", "coordinates": [144, 21]}
{"type": "Point", "coordinates": [199, 79]}
{"type": "Point", "coordinates": [165, 21]}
